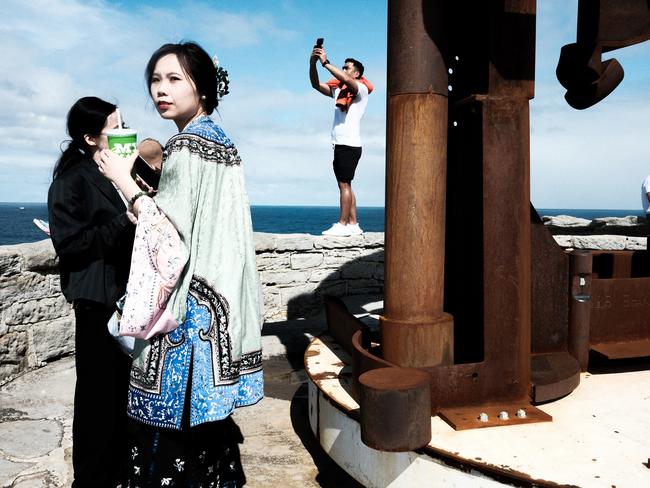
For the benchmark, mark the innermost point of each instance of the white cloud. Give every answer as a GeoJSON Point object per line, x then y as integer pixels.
{"type": "Point", "coordinates": [57, 52]}
{"type": "Point", "coordinates": [595, 158]}
{"type": "Point", "coordinates": [284, 140]}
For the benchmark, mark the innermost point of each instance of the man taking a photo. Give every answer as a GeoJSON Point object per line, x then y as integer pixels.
{"type": "Point", "coordinates": [350, 90]}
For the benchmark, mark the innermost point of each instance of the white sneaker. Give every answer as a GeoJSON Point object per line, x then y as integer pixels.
{"type": "Point", "coordinates": [337, 229]}
{"type": "Point", "coordinates": [354, 229]}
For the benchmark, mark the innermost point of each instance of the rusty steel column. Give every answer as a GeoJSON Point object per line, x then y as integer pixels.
{"type": "Point", "coordinates": [506, 195]}
{"type": "Point", "coordinates": [415, 330]}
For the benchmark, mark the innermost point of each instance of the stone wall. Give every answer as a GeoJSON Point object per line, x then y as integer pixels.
{"type": "Point", "coordinates": [607, 233]}
{"type": "Point", "coordinates": [37, 324]}
{"type": "Point", "coordinates": [296, 269]}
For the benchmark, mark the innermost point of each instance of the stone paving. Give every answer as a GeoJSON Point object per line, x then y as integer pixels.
{"type": "Point", "coordinates": [279, 448]}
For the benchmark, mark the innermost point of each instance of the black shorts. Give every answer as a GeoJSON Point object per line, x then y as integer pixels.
{"type": "Point", "coordinates": [345, 162]}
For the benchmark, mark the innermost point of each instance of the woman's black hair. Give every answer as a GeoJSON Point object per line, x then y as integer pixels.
{"type": "Point", "coordinates": [87, 116]}
{"type": "Point", "coordinates": [197, 64]}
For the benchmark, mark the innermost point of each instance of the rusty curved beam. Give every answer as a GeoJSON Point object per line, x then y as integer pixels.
{"type": "Point", "coordinates": [603, 25]}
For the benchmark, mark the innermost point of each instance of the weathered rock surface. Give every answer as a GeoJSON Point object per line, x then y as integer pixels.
{"type": "Point", "coordinates": [630, 226]}
{"type": "Point", "coordinates": [17, 438]}
{"type": "Point", "coordinates": [565, 221]}
{"type": "Point", "coordinates": [629, 221]}
{"type": "Point", "coordinates": [602, 242]}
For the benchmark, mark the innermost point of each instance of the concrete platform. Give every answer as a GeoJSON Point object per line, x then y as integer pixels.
{"type": "Point", "coordinates": [599, 437]}
{"type": "Point", "coordinates": [279, 448]}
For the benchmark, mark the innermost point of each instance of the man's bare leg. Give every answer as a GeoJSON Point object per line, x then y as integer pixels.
{"type": "Point", "coordinates": [346, 200]}
{"type": "Point", "coordinates": [353, 208]}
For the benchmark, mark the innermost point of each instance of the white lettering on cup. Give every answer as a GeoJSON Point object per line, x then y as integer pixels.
{"type": "Point", "coordinates": [124, 149]}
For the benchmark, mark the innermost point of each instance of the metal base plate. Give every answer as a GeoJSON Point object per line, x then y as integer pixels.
{"type": "Point", "coordinates": [463, 418]}
{"type": "Point", "coordinates": [619, 350]}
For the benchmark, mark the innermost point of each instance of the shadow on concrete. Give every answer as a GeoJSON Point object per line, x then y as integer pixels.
{"type": "Point", "coordinates": [330, 474]}
{"type": "Point", "coordinates": [286, 379]}
{"type": "Point", "coordinates": [285, 376]}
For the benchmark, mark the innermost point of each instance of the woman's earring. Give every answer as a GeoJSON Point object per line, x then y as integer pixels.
{"type": "Point", "coordinates": [202, 97]}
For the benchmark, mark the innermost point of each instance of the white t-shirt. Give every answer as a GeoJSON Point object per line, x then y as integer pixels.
{"type": "Point", "coordinates": [645, 188]}
{"type": "Point", "coordinates": [346, 128]}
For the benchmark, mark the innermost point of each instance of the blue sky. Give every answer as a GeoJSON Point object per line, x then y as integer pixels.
{"type": "Point", "coordinates": [59, 50]}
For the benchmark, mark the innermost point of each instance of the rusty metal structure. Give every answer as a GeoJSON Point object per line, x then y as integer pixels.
{"type": "Point", "coordinates": [494, 314]}
{"type": "Point", "coordinates": [603, 25]}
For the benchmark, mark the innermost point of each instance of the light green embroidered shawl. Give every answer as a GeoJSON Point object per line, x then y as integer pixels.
{"type": "Point", "coordinates": [202, 193]}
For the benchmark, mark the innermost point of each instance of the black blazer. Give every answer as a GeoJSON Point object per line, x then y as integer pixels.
{"type": "Point", "coordinates": [91, 233]}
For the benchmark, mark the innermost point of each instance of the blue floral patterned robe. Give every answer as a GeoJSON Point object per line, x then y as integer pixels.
{"type": "Point", "coordinates": [217, 300]}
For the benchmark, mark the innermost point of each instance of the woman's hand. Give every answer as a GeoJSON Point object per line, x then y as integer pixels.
{"type": "Point", "coordinates": [131, 216]}
{"type": "Point", "coordinates": [144, 185]}
{"type": "Point", "coordinates": [116, 168]}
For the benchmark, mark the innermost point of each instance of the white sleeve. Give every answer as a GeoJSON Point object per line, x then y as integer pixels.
{"type": "Point", "coordinates": [362, 91]}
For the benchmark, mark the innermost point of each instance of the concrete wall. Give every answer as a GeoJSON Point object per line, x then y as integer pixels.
{"type": "Point", "coordinates": [37, 324]}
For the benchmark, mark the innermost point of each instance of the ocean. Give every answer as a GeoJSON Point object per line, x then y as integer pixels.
{"type": "Point", "coordinates": [16, 224]}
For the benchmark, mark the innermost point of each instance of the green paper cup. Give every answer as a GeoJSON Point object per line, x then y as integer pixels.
{"type": "Point", "coordinates": [122, 142]}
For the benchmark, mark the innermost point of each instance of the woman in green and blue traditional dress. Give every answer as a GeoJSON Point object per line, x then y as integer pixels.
{"type": "Point", "coordinates": [193, 288]}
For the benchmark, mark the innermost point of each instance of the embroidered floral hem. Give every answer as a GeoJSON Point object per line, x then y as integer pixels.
{"type": "Point", "coordinates": [247, 392]}
{"type": "Point", "coordinates": [198, 355]}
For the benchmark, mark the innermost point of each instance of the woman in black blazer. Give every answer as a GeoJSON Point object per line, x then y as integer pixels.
{"type": "Point", "coordinates": [93, 234]}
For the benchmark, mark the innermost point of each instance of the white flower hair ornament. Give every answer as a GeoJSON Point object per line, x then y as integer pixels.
{"type": "Point", "coordinates": [222, 79]}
